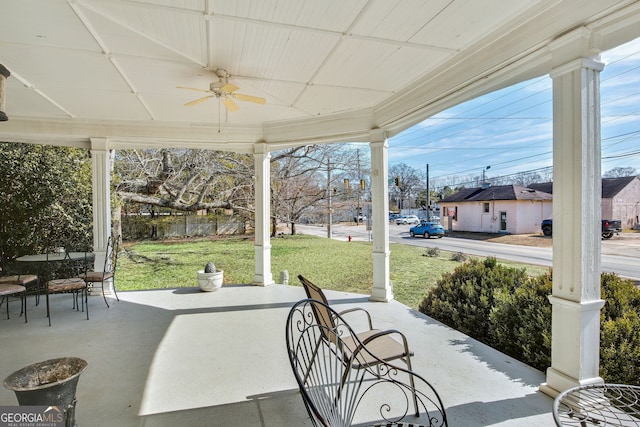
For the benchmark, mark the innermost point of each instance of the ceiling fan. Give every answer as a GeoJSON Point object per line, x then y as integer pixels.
{"type": "Point", "coordinates": [224, 92]}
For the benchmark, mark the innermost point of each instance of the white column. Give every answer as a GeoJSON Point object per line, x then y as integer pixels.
{"type": "Point", "coordinates": [101, 192]}
{"type": "Point", "coordinates": [263, 212]}
{"type": "Point", "coordinates": [382, 288]}
{"type": "Point", "coordinates": [577, 188]}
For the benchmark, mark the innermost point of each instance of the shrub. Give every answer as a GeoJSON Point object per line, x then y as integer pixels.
{"type": "Point", "coordinates": [458, 256]}
{"type": "Point", "coordinates": [432, 252]}
{"type": "Point", "coordinates": [620, 349]}
{"type": "Point", "coordinates": [464, 299]}
{"type": "Point", "coordinates": [620, 331]}
{"type": "Point", "coordinates": [620, 295]}
{"type": "Point", "coordinates": [521, 322]}
{"type": "Point", "coordinates": [510, 312]}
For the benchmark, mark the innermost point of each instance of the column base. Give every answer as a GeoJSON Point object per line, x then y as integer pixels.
{"type": "Point", "coordinates": [381, 295]}
{"type": "Point", "coordinates": [557, 382]}
{"type": "Point", "coordinates": [262, 281]}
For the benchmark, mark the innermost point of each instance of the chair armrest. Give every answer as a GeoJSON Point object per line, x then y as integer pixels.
{"type": "Point", "coordinates": [385, 333]}
{"type": "Point", "coordinates": [351, 310]}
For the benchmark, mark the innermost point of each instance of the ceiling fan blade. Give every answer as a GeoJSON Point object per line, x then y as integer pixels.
{"type": "Point", "coordinates": [230, 105]}
{"type": "Point", "coordinates": [198, 101]}
{"type": "Point", "coordinates": [192, 88]}
{"type": "Point", "coordinates": [250, 98]}
{"type": "Point", "coordinates": [229, 87]}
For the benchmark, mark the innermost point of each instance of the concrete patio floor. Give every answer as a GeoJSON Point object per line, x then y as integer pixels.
{"type": "Point", "coordinates": [183, 357]}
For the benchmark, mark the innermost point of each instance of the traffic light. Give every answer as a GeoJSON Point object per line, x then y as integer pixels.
{"type": "Point", "coordinates": [397, 181]}
{"type": "Point", "coordinates": [362, 184]}
{"type": "Point", "coordinates": [346, 183]}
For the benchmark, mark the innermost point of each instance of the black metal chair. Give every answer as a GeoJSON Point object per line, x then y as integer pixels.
{"type": "Point", "coordinates": [343, 383]}
{"type": "Point", "coordinates": [68, 279]}
{"type": "Point", "coordinates": [381, 343]}
{"type": "Point", "coordinates": [108, 271]}
{"type": "Point", "coordinates": [11, 275]}
{"type": "Point", "coordinates": [9, 290]}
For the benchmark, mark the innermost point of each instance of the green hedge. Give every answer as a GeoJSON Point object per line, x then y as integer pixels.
{"type": "Point", "coordinates": [509, 311]}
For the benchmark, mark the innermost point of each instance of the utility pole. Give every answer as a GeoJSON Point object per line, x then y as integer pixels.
{"type": "Point", "coordinates": [428, 196]}
{"type": "Point", "coordinates": [330, 191]}
{"type": "Point", "coordinates": [359, 190]}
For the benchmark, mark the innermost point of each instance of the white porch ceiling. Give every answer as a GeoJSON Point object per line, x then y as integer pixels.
{"type": "Point", "coordinates": [330, 70]}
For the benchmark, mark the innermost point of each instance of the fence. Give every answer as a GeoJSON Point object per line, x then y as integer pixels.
{"type": "Point", "coordinates": [163, 227]}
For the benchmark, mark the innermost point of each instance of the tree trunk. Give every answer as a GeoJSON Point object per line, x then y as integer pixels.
{"type": "Point", "coordinates": [293, 228]}
{"type": "Point", "coordinates": [116, 221]}
{"type": "Point", "coordinates": [274, 226]}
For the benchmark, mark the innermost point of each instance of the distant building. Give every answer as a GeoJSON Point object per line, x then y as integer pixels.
{"type": "Point", "coordinates": [620, 199]}
{"type": "Point", "coordinates": [509, 209]}
{"type": "Point", "coordinates": [519, 210]}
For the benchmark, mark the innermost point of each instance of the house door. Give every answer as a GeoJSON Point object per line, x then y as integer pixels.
{"type": "Point", "coordinates": [503, 221]}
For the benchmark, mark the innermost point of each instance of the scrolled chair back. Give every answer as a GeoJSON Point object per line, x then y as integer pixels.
{"type": "Point", "coordinates": [354, 387]}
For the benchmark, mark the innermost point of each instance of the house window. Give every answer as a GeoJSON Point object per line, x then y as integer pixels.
{"type": "Point", "coordinates": [486, 207]}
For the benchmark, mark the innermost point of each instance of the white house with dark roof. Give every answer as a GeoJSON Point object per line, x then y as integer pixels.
{"type": "Point", "coordinates": [509, 209]}
{"type": "Point", "coordinates": [519, 210]}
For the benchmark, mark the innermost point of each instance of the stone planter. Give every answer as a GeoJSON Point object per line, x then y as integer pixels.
{"type": "Point", "coordinates": [209, 282]}
{"type": "Point", "coordinates": [49, 383]}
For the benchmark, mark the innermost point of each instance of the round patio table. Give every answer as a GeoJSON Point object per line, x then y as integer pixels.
{"type": "Point", "coordinates": [598, 405]}
{"type": "Point", "coordinates": [55, 256]}
{"type": "Point", "coordinates": [49, 266]}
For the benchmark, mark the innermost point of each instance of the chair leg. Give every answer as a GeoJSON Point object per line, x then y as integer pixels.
{"type": "Point", "coordinates": [413, 385]}
{"type": "Point", "coordinates": [104, 296]}
{"type": "Point", "coordinates": [48, 311]}
{"type": "Point", "coordinates": [23, 301]}
{"type": "Point", "coordinates": [86, 300]}
{"type": "Point", "coordinates": [5, 300]}
{"type": "Point", "coordinates": [114, 288]}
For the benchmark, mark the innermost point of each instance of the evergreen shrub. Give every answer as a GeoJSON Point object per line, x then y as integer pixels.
{"type": "Point", "coordinates": [511, 312]}
{"type": "Point", "coordinates": [465, 298]}
{"type": "Point", "coordinates": [521, 322]}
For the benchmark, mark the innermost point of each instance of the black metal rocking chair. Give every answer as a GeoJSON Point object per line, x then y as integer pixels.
{"type": "Point", "coordinates": [343, 383]}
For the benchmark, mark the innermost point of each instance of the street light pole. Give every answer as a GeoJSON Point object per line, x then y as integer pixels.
{"type": "Point", "coordinates": [483, 175]}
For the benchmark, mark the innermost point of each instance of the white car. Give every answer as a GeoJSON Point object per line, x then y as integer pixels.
{"type": "Point", "coordinates": [407, 219]}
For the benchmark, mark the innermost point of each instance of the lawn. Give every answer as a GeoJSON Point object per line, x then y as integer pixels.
{"type": "Point", "coordinates": [331, 264]}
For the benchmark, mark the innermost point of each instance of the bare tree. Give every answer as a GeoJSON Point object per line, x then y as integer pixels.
{"type": "Point", "coordinates": [407, 184]}
{"type": "Point", "coordinates": [186, 180]}
{"type": "Point", "coordinates": [302, 178]}
{"type": "Point", "coordinates": [620, 172]}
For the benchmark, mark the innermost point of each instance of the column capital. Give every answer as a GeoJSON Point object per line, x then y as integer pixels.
{"type": "Point", "coordinates": [577, 64]}
{"type": "Point", "coordinates": [261, 147]}
{"type": "Point", "coordinates": [101, 144]}
{"type": "Point", "coordinates": [377, 136]}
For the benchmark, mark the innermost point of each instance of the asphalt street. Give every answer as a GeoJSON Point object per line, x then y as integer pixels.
{"type": "Point", "coordinates": [620, 255]}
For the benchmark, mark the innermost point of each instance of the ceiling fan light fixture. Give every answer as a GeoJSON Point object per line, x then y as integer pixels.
{"type": "Point", "coordinates": [224, 91]}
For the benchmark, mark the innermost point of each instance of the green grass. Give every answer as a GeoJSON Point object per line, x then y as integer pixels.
{"type": "Point", "coordinates": [336, 265]}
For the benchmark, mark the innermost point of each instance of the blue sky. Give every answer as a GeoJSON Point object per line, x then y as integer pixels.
{"type": "Point", "coordinates": [511, 130]}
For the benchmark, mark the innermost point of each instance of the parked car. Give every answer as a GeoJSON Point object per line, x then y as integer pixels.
{"type": "Point", "coordinates": [609, 227]}
{"type": "Point", "coordinates": [427, 229]}
{"type": "Point", "coordinates": [393, 216]}
{"type": "Point", "coordinates": [360, 218]}
{"type": "Point", "coordinates": [407, 219]}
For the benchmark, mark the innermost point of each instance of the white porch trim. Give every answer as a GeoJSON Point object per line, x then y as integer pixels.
{"type": "Point", "coordinates": [101, 193]}
{"type": "Point", "coordinates": [382, 289]}
{"type": "Point", "coordinates": [262, 245]}
{"type": "Point", "coordinates": [576, 299]}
